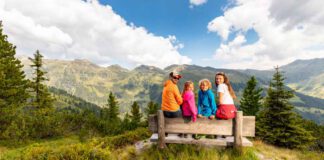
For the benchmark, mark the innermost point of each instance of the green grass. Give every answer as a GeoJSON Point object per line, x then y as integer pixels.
{"type": "Point", "coordinates": [272, 152]}
{"type": "Point", "coordinates": [194, 152]}
{"type": "Point", "coordinates": [120, 147]}
{"type": "Point", "coordinates": [72, 148]}
{"type": "Point", "coordinates": [12, 151]}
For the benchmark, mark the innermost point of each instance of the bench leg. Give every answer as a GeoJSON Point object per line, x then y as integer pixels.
{"type": "Point", "coordinates": [238, 139]}
{"type": "Point", "coordinates": [161, 131]}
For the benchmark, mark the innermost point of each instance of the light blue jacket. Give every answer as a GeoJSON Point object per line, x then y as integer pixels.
{"type": "Point", "coordinates": [206, 103]}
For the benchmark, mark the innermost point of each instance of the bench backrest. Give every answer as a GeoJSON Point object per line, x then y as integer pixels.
{"type": "Point", "coordinates": [241, 126]}
{"type": "Point", "coordinates": [203, 126]}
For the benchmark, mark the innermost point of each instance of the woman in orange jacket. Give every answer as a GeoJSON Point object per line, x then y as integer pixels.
{"type": "Point", "coordinates": [171, 97]}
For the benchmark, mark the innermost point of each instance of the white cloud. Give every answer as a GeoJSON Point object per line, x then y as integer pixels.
{"type": "Point", "coordinates": [84, 29]}
{"type": "Point", "coordinates": [286, 30]}
{"type": "Point", "coordinates": [196, 3]}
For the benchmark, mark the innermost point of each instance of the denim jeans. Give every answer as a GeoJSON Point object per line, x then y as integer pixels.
{"type": "Point", "coordinates": [170, 114]}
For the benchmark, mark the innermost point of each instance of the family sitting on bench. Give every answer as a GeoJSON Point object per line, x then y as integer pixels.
{"type": "Point", "coordinates": [206, 107]}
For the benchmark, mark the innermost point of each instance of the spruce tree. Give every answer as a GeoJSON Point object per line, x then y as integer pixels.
{"type": "Point", "coordinates": [113, 109]}
{"type": "Point", "coordinates": [278, 124]}
{"type": "Point", "coordinates": [44, 125]}
{"type": "Point", "coordinates": [136, 115]}
{"type": "Point", "coordinates": [43, 99]}
{"type": "Point", "coordinates": [126, 124]}
{"type": "Point", "coordinates": [250, 102]}
{"type": "Point", "coordinates": [13, 84]}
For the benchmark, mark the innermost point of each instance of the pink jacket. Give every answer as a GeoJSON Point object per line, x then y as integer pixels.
{"type": "Point", "coordinates": [188, 106]}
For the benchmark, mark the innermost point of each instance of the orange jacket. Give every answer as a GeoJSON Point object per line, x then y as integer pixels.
{"type": "Point", "coordinates": [171, 98]}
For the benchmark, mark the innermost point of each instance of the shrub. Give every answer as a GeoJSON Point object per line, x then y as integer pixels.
{"type": "Point", "coordinates": [124, 139]}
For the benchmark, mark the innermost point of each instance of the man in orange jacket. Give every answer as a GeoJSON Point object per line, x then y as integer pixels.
{"type": "Point", "coordinates": [171, 97]}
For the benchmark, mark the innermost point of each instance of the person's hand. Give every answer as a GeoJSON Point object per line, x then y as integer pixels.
{"type": "Point", "coordinates": [194, 118]}
{"type": "Point", "coordinates": [212, 117]}
{"type": "Point", "coordinates": [199, 115]}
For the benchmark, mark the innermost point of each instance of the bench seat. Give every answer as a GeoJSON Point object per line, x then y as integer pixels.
{"type": "Point", "coordinates": [228, 141]}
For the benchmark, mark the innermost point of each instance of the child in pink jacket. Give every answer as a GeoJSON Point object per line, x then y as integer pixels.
{"type": "Point", "coordinates": [189, 108]}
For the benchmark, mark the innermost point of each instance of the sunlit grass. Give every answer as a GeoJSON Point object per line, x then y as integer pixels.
{"type": "Point", "coordinates": [9, 151]}
{"type": "Point", "coordinates": [72, 148]}
{"type": "Point", "coordinates": [269, 151]}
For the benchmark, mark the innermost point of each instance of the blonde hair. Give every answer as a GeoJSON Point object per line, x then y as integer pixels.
{"type": "Point", "coordinates": [186, 86]}
{"type": "Point", "coordinates": [227, 82]}
{"type": "Point", "coordinates": [206, 82]}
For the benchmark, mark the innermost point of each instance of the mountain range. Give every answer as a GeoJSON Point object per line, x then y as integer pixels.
{"type": "Point", "coordinates": [93, 83]}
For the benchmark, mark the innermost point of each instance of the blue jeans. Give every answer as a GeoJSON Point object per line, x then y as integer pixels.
{"type": "Point", "coordinates": [170, 114]}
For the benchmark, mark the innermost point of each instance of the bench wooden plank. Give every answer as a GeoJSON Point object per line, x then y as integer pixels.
{"type": "Point", "coordinates": [228, 141]}
{"type": "Point", "coordinates": [153, 123]}
{"type": "Point", "coordinates": [248, 126]}
{"type": "Point", "coordinates": [203, 126]}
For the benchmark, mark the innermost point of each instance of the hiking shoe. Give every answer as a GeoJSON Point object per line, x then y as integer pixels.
{"type": "Point", "coordinates": [199, 136]}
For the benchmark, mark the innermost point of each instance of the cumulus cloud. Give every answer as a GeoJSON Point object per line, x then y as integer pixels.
{"type": "Point", "coordinates": [287, 30]}
{"type": "Point", "coordinates": [84, 29]}
{"type": "Point", "coordinates": [196, 2]}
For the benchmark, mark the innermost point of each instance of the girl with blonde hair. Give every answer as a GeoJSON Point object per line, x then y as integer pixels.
{"type": "Point", "coordinates": [206, 100]}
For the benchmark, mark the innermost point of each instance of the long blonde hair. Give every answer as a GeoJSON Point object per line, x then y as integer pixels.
{"type": "Point", "coordinates": [227, 82]}
{"type": "Point", "coordinates": [186, 86]}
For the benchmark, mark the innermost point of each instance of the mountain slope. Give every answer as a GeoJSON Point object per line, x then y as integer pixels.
{"type": "Point", "coordinates": [66, 101]}
{"type": "Point", "coordinates": [305, 76]}
{"type": "Point", "coordinates": [93, 83]}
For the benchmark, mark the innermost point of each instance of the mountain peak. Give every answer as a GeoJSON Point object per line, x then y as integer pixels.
{"type": "Point", "coordinates": [178, 67]}
{"type": "Point", "coordinates": [316, 64]}
{"type": "Point", "coordinates": [116, 67]}
{"type": "Point", "coordinates": [146, 68]}
{"type": "Point", "coordinates": [84, 62]}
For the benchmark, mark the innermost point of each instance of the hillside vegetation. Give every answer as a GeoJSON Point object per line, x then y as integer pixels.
{"type": "Point", "coordinates": [97, 148]}
{"type": "Point", "coordinates": [92, 83]}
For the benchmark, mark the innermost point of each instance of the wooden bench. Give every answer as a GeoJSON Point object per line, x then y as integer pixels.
{"type": "Point", "coordinates": [236, 130]}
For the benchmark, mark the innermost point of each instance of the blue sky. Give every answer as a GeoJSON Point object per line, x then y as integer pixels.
{"type": "Point", "coordinates": [175, 17]}
{"type": "Point", "coordinates": [238, 34]}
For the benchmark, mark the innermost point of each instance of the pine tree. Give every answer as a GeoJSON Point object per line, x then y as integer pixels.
{"type": "Point", "coordinates": [136, 115]}
{"type": "Point", "coordinates": [278, 124]}
{"type": "Point", "coordinates": [43, 98]}
{"type": "Point", "coordinates": [13, 84]}
{"type": "Point", "coordinates": [44, 125]}
{"type": "Point", "coordinates": [113, 109]}
{"type": "Point", "coordinates": [126, 124]}
{"type": "Point", "coordinates": [250, 102]}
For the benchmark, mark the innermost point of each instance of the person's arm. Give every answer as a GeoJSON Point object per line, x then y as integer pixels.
{"type": "Point", "coordinates": [177, 95]}
{"type": "Point", "coordinates": [191, 102]}
{"type": "Point", "coordinates": [220, 97]}
{"type": "Point", "coordinates": [199, 104]}
{"type": "Point", "coordinates": [220, 92]}
{"type": "Point", "coordinates": [212, 102]}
